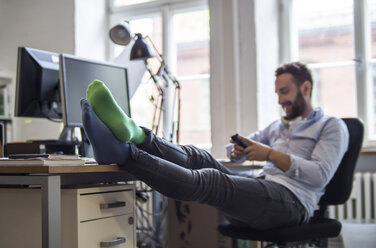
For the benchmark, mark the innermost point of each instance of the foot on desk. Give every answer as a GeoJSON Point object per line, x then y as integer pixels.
{"type": "Point", "coordinates": [108, 111]}
{"type": "Point", "coordinates": [107, 148]}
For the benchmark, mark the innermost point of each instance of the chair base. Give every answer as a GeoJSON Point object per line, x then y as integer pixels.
{"type": "Point", "coordinates": [315, 232]}
{"type": "Point", "coordinates": [322, 243]}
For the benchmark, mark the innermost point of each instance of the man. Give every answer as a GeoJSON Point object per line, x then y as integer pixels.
{"type": "Point", "coordinates": [303, 151]}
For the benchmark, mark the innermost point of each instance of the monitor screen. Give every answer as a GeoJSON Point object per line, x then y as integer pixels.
{"type": "Point", "coordinates": [75, 76]}
{"type": "Point", "coordinates": [37, 85]}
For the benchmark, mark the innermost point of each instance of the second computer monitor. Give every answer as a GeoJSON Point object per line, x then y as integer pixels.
{"type": "Point", "coordinates": [75, 76]}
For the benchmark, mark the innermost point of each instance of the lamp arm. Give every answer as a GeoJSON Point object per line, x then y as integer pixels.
{"type": "Point", "coordinates": [163, 66]}
{"type": "Point", "coordinates": [160, 90]}
{"type": "Point", "coordinates": [159, 55]}
{"type": "Point", "coordinates": [171, 77]}
{"type": "Point", "coordinates": [164, 72]}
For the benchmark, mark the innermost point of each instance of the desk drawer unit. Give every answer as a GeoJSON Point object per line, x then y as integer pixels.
{"type": "Point", "coordinates": [90, 217]}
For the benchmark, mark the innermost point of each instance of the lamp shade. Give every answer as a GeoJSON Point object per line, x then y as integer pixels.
{"type": "Point", "coordinates": [121, 34]}
{"type": "Point", "coordinates": [141, 49]}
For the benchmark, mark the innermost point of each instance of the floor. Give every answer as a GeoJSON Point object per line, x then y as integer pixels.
{"type": "Point", "coordinates": [359, 235]}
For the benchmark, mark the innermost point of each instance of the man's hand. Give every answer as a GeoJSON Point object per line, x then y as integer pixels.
{"type": "Point", "coordinates": [254, 150]}
{"type": "Point", "coordinates": [237, 152]}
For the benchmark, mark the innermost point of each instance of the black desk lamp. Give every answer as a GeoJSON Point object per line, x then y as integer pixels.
{"type": "Point", "coordinates": [141, 50]}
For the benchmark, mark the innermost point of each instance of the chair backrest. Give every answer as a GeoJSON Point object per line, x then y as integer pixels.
{"type": "Point", "coordinates": [339, 188]}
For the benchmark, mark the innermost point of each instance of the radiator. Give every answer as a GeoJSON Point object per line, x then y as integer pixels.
{"type": "Point", "coordinates": [361, 206]}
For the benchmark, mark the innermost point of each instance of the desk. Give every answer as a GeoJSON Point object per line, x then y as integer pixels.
{"type": "Point", "coordinates": [51, 178]}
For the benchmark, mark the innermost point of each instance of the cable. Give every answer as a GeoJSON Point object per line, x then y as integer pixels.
{"type": "Point", "coordinates": [144, 217]}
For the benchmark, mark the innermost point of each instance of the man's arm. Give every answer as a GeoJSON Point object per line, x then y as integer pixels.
{"type": "Point", "coordinates": [279, 159]}
{"type": "Point", "coordinates": [325, 157]}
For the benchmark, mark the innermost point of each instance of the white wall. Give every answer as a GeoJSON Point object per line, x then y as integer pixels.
{"type": "Point", "coordinates": [42, 24]}
{"type": "Point", "coordinates": [74, 27]}
{"type": "Point", "coordinates": [243, 57]}
{"type": "Point", "coordinates": [223, 73]}
{"type": "Point", "coordinates": [91, 30]}
{"type": "Point", "coordinates": [267, 61]}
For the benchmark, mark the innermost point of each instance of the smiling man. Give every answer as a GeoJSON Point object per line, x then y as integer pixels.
{"type": "Point", "coordinates": [302, 150]}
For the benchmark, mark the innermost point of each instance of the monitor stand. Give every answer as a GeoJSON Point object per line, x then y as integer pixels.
{"type": "Point", "coordinates": [86, 149]}
{"type": "Point", "coordinates": [68, 135]}
{"type": "Point", "coordinates": [68, 143]}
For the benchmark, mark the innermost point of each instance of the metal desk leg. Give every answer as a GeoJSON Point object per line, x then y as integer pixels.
{"type": "Point", "coordinates": [51, 207]}
{"type": "Point", "coordinates": [51, 212]}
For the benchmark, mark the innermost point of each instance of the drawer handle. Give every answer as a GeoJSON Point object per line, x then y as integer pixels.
{"type": "Point", "coordinates": [117, 204]}
{"type": "Point", "coordinates": [117, 241]}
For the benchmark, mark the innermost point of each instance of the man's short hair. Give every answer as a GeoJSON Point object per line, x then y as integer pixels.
{"type": "Point", "coordinates": [299, 71]}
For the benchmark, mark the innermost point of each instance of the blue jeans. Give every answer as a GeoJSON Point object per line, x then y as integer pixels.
{"type": "Point", "coordinates": [187, 173]}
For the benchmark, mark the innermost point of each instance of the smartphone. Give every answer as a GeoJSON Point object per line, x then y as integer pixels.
{"type": "Point", "coordinates": [238, 141]}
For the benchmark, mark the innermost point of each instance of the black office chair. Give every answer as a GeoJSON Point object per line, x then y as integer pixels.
{"type": "Point", "coordinates": [319, 228]}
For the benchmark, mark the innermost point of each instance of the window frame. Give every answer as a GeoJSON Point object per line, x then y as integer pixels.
{"type": "Point", "coordinates": [362, 61]}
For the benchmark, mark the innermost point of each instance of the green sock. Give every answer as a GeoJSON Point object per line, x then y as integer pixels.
{"type": "Point", "coordinates": [108, 111]}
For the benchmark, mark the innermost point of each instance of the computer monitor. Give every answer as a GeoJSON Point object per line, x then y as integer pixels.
{"type": "Point", "coordinates": [37, 85]}
{"type": "Point", "coordinates": [75, 76]}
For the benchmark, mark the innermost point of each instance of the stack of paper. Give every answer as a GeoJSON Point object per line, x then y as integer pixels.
{"type": "Point", "coordinates": [56, 160]}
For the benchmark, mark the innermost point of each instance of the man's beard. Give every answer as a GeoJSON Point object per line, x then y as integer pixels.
{"type": "Point", "coordinates": [298, 107]}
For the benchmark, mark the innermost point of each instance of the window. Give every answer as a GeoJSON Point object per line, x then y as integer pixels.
{"type": "Point", "coordinates": [186, 51]}
{"type": "Point", "coordinates": [191, 46]}
{"type": "Point", "coordinates": [372, 16]}
{"type": "Point", "coordinates": [119, 3]}
{"type": "Point", "coordinates": [146, 96]}
{"type": "Point", "coordinates": [331, 42]}
{"type": "Point", "coordinates": [326, 44]}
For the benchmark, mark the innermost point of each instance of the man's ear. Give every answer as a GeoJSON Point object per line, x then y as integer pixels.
{"type": "Point", "coordinates": [306, 88]}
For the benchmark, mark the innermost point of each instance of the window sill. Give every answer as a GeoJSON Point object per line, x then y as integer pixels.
{"type": "Point", "coordinates": [368, 150]}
